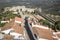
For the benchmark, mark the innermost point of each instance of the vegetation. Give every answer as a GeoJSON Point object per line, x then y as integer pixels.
{"type": "Point", "coordinates": [2, 24]}
{"type": "Point", "coordinates": [57, 25]}
{"type": "Point", "coordinates": [8, 14]}
{"type": "Point", "coordinates": [44, 22]}
{"type": "Point", "coordinates": [54, 27]}
{"type": "Point", "coordinates": [53, 12]}
{"type": "Point", "coordinates": [0, 17]}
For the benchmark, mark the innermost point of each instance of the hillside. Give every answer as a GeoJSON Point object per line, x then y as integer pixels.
{"type": "Point", "coordinates": [37, 3]}
{"type": "Point", "coordinates": [50, 5]}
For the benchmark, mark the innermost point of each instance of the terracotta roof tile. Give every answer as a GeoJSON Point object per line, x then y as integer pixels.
{"type": "Point", "coordinates": [43, 33]}
{"type": "Point", "coordinates": [18, 19]}
{"type": "Point", "coordinates": [8, 37]}
{"type": "Point", "coordinates": [8, 25]}
{"type": "Point", "coordinates": [58, 35]}
{"type": "Point", "coordinates": [17, 28]}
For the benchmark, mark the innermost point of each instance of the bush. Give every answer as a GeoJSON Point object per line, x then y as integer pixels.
{"type": "Point", "coordinates": [0, 17]}
{"type": "Point", "coordinates": [2, 24]}
{"type": "Point", "coordinates": [57, 25]}
{"type": "Point", "coordinates": [46, 23]}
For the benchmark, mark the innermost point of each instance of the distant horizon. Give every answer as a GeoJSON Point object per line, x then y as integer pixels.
{"type": "Point", "coordinates": [35, 3]}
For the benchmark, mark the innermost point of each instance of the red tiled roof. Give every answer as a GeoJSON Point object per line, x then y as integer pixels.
{"type": "Point", "coordinates": [17, 28]}
{"type": "Point", "coordinates": [58, 35]}
{"type": "Point", "coordinates": [6, 36]}
{"type": "Point", "coordinates": [43, 33]}
{"type": "Point", "coordinates": [8, 25]}
{"type": "Point", "coordinates": [18, 19]}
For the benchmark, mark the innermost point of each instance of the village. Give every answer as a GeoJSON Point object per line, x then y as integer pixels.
{"type": "Point", "coordinates": [25, 21]}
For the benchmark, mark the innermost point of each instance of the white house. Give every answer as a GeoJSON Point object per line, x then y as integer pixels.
{"type": "Point", "coordinates": [14, 28]}
{"type": "Point", "coordinates": [21, 7]}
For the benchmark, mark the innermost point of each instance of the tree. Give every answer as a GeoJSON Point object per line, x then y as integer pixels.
{"type": "Point", "coordinates": [57, 25]}
{"type": "Point", "coordinates": [2, 24]}
{"type": "Point", "coordinates": [1, 10]}
{"type": "Point", "coordinates": [46, 23]}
